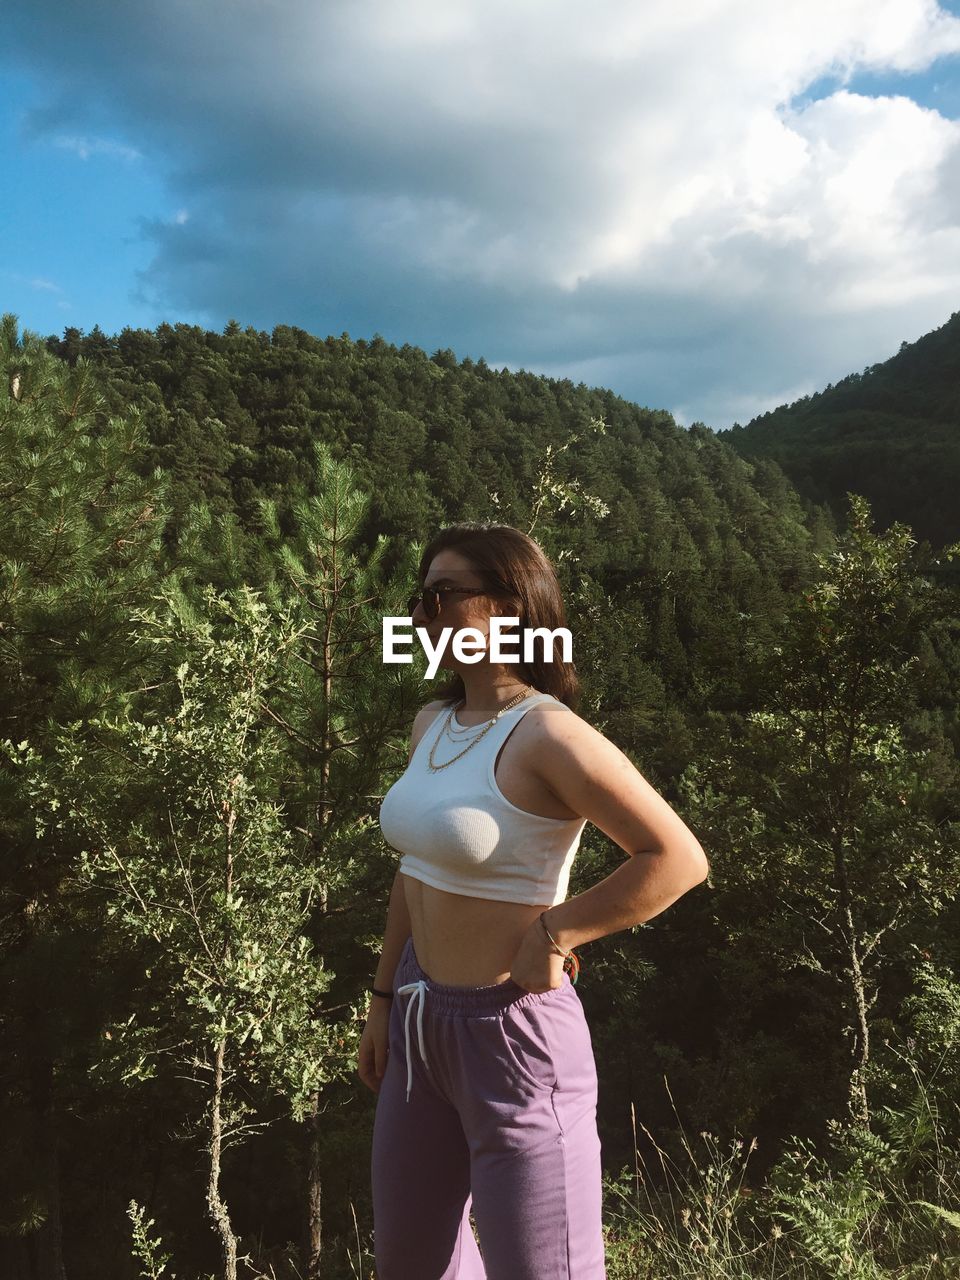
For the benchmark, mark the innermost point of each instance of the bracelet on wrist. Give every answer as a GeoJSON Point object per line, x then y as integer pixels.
{"type": "Point", "coordinates": [554, 947]}
{"type": "Point", "coordinates": [569, 957]}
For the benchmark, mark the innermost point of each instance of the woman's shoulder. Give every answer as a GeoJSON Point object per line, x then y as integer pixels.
{"type": "Point", "coordinates": [550, 710]}
{"type": "Point", "coordinates": [552, 720]}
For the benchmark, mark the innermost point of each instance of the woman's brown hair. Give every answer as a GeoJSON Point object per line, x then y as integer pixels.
{"type": "Point", "coordinates": [517, 570]}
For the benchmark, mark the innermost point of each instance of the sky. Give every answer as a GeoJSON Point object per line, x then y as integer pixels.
{"type": "Point", "coordinates": [711, 207]}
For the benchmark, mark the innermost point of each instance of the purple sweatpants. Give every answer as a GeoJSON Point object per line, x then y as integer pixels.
{"type": "Point", "coordinates": [489, 1093]}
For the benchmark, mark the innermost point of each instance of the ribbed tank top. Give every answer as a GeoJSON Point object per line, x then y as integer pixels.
{"type": "Point", "coordinates": [457, 831]}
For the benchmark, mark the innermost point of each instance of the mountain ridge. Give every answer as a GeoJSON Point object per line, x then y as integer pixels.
{"type": "Point", "coordinates": [891, 433]}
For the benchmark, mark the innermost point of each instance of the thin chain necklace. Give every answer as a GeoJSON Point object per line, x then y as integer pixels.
{"type": "Point", "coordinates": [431, 762]}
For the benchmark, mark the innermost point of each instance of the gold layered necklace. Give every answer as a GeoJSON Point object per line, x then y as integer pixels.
{"type": "Point", "coordinates": [446, 729]}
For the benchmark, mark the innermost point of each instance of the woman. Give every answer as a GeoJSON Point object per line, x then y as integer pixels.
{"type": "Point", "coordinates": [475, 1040]}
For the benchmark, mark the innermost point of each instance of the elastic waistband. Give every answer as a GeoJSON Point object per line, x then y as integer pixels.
{"type": "Point", "coordinates": [470, 1001]}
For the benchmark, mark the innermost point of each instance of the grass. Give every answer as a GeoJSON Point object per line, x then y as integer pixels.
{"type": "Point", "coordinates": [882, 1204]}
{"type": "Point", "coordinates": [877, 1204]}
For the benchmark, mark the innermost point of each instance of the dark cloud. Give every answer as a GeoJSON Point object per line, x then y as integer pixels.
{"type": "Point", "coordinates": [624, 195]}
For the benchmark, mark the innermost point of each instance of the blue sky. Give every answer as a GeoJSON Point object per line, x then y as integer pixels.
{"type": "Point", "coordinates": [710, 208]}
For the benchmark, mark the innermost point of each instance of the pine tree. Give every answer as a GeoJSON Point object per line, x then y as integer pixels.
{"type": "Point", "coordinates": [174, 805]}
{"type": "Point", "coordinates": [829, 850]}
{"type": "Point", "coordinates": [345, 715]}
{"type": "Point", "coordinates": [79, 536]}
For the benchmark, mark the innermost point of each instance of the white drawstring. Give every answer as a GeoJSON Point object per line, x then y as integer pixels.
{"type": "Point", "coordinates": [415, 989]}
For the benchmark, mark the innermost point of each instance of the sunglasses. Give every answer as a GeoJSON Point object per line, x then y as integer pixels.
{"type": "Point", "coordinates": [430, 597]}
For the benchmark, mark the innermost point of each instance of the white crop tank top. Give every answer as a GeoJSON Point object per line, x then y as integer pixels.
{"type": "Point", "coordinates": [457, 831]}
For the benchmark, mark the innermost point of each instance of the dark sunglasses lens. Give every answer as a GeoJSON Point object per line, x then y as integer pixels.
{"type": "Point", "coordinates": [430, 601]}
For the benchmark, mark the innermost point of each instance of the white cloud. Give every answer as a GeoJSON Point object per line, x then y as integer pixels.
{"type": "Point", "coordinates": [86, 146]}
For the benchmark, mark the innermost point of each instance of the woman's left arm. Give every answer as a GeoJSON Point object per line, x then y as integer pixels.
{"type": "Point", "coordinates": [586, 772]}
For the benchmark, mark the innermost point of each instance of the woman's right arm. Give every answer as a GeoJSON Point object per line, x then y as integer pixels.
{"type": "Point", "coordinates": [375, 1037]}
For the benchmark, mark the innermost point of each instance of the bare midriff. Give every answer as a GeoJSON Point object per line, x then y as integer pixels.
{"type": "Point", "coordinates": [467, 941]}
{"type": "Point", "coordinates": [463, 941]}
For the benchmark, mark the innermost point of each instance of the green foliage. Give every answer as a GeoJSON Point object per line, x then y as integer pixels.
{"type": "Point", "coordinates": [851, 1206]}
{"type": "Point", "coordinates": [206, 877]}
{"type": "Point", "coordinates": [79, 530]}
{"type": "Point", "coordinates": [847, 1210]}
{"type": "Point", "coordinates": [147, 1251]}
{"type": "Point", "coordinates": [830, 854]}
{"type": "Point", "coordinates": [890, 433]}
{"type": "Point", "coordinates": [201, 535]}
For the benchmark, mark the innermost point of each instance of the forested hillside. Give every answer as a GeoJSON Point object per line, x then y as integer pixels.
{"type": "Point", "coordinates": [234, 415]}
{"type": "Point", "coordinates": [891, 433]}
{"type": "Point", "coordinates": [675, 519]}
{"type": "Point", "coordinates": [200, 536]}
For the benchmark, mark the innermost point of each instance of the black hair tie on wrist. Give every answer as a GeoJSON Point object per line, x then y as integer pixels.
{"type": "Point", "coordinates": [387, 995]}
